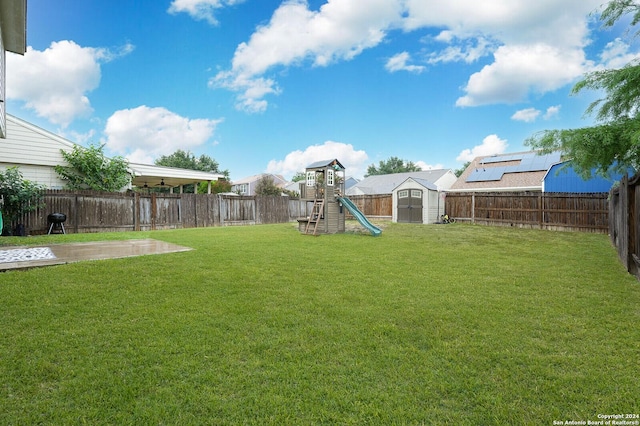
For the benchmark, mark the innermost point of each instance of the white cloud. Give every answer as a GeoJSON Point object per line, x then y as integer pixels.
{"type": "Point", "coordinates": [521, 69]}
{"type": "Point", "coordinates": [552, 111]}
{"type": "Point", "coordinates": [55, 82]}
{"type": "Point", "coordinates": [491, 145]}
{"type": "Point", "coordinates": [467, 51]}
{"type": "Point", "coordinates": [616, 55]}
{"type": "Point", "coordinates": [528, 115]}
{"type": "Point", "coordinates": [425, 166]}
{"type": "Point", "coordinates": [142, 134]}
{"type": "Point", "coordinates": [355, 162]}
{"type": "Point", "coordinates": [399, 63]}
{"type": "Point", "coordinates": [202, 10]}
{"type": "Point", "coordinates": [340, 30]}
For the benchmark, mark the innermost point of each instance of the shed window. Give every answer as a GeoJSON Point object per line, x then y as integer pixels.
{"type": "Point", "coordinates": [311, 179]}
{"type": "Point", "coordinates": [330, 177]}
{"type": "Point", "coordinates": [403, 194]}
{"type": "Point", "coordinates": [416, 193]}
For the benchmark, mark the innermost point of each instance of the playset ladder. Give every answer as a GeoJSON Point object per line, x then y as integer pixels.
{"type": "Point", "coordinates": [316, 213]}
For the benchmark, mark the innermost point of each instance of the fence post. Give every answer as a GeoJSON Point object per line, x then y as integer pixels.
{"type": "Point", "coordinates": [75, 215]}
{"type": "Point", "coordinates": [473, 207]}
{"type": "Point", "coordinates": [154, 211]}
{"type": "Point", "coordinates": [540, 209]}
{"type": "Point", "coordinates": [136, 211]}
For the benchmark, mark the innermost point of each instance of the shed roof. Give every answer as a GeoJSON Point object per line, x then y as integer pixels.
{"type": "Point", "coordinates": [385, 184]}
{"type": "Point", "coordinates": [422, 182]}
{"type": "Point", "coordinates": [325, 163]}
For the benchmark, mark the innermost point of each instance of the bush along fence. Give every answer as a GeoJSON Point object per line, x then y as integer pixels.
{"type": "Point", "coordinates": [554, 211]}
{"type": "Point", "coordinates": [624, 224]}
{"type": "Point", "coordinates": [90, 211]}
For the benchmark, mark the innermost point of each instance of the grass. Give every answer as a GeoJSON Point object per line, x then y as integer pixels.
{"type": "Point", "coordinates": [441, 324]}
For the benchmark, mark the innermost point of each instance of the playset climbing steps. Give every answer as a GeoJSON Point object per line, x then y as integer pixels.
{"type": "Point", "coordinates": [316, 215]}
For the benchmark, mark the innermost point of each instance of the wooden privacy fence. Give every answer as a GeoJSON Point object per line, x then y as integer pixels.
{"type": "Point", "coordinates": [89, 211]}
{"type": "Point", "coordinates": [556, 211]}
{"type": "Point", "coordinates": [377, 206]}
{"type": "Point", "coordinates": [624, 226]}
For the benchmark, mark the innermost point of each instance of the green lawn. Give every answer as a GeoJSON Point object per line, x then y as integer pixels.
{"type": "Point", "coordinates": [440, 324]}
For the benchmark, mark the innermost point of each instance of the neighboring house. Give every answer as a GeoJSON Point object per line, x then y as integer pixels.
{"type": "Point", "coordinates": [442, 179]}
{"type": "Point", "coordinates": [349, 182]}
{"type": "Point", "coordinates": [417, 201]}
{"type": "Point", "coordinates": [37, 151]}
{"type": "Point", "coordinates": [522, 171]}
{"type": "Point", "coordinates": [562, 178]}
{"type": "Point", "coordinates": [13, 38]}
{"type": "Point", "coordinates": [247, 186]}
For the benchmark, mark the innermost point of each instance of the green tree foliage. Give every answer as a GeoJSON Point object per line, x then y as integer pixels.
{"type": "Point", "coordinates": [392, 165]}
{"type": "Point", "coordinates": [298, 177]}
{"type": "Point", "coordinates": [615, 140]}
{"type": "Point", "coordinates": [187, 160]}
{"type": "Point", "coordinates": [90, 169]}
{"type": "Point", "coordinates": [18, 195]}
{"type": "Point", "coordinates": [266, 186]}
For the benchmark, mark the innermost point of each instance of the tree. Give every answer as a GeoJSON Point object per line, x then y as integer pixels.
{"type": "Point", "coordinates": [298, 177]}
{"type": "Point", "coordinates": [187, 160]}
{"type": "Point", "coordinates": [614, 142]}
{"type": "Point", "coordinates": [392, 165]}
{"type": "Point", "coordinates": [460, 171]}
{"type": "Point", "coordinates": [90, 169]}
{"type": "Point", "coordinates": [18, 195]}
{"type": "Point", "coordinates": [266, 186]}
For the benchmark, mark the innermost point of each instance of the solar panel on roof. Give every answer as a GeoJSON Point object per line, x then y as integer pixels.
{"type": "Point", "coordinates": [485, 175]}
{"type": "Point", "coordinates": [501, 159]}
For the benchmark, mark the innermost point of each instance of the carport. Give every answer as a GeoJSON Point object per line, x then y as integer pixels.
{"type": "Point", "coordinates": [150, 176]}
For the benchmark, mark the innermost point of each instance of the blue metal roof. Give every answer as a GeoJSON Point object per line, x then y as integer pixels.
{"type": "Point", "coordinates": [562, 178]}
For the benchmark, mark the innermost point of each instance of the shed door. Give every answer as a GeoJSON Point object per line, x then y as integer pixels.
{"type": "Point", "coordinates": [410, 206]}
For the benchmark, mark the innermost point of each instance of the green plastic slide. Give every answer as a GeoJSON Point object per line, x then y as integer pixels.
{"type": "Point", "coordinates": [353, 209]}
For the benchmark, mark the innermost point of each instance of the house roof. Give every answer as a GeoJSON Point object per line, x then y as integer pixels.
{"type": "Point", "coordinates": [279, 180]}
{"type": "Point", "coordinates": [385, 184]}
{"type": "Point", "coordinates": [520, 171]}
{"type": "Point", "coordinates": [13, 22]}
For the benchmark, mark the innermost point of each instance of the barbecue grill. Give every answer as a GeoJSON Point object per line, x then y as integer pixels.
{"type": "Point", "coordinates": [56, 222]}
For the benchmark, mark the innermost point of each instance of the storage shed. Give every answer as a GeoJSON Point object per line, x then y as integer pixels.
{"type": "Point", "coordinates": [417, 201]}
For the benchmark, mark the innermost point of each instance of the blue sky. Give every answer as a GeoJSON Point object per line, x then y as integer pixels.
{"type": "Point", "coordinates": [271, 86]}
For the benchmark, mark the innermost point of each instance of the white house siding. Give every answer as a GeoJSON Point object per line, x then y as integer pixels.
{"type": "Point", "coordinates": [39, 174]}
{"type": "Point", "coordinates": [446, 181]}
{"type": "Point", "coordinates": [34, 150]}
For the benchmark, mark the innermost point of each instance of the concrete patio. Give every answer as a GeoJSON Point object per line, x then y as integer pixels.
{"type": "Point", "coordinates": [23, 257]}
